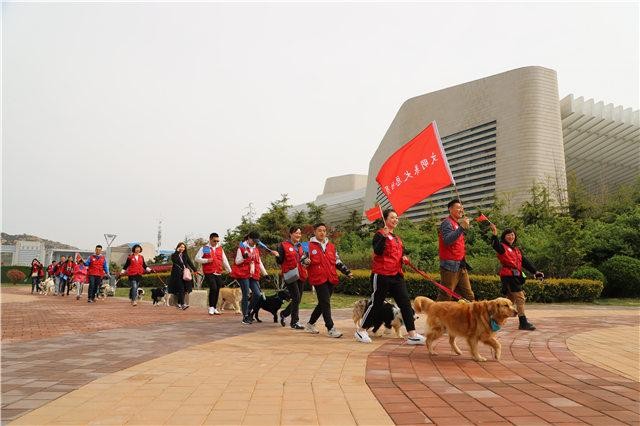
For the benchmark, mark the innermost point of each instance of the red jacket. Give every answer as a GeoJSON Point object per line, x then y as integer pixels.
{"type": "Point", "coordinates": [510, 259]}
{"type": "Point", "coordinates": [96, 265]}
{"type": "Point", "coordinates": [80, 274]}
{"type": "Point", "coordinates": [455, 251]}
{"type": "Point", "coordinates": [244, 269]}
{"type": "Point", "coordinates": [291, 259]}
{"type": "Point", "coordinates": [215, 266]}
{"type": "Point", "coordinates": [323, 264]}
{"type": "Point", "coordinates": [390, 262]}
{"type": "Point", "coordinates": [135, 267]}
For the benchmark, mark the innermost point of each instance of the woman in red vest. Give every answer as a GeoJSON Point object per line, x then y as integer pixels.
{"type": "Point", "coordinates": [134, 267]}
{"type": "Point", "coordinates": [321, 265]}
{"type": "Point", "coordinates": [97, 268]}
{"type": "Point", "coordinates": [247, 268]}
{"type": "Point", "coordinates": [177, 283]}
{"type": "Point", "coordinates": [290, 256]}
{"type": "Point", "coordinates": [512, 261]}
{"type": "Point", "coordinates": [387, 277]}
{"type": "Point", "coordinates": [37, 272]}
{"type": "Point", "coordinates": [69, 267]}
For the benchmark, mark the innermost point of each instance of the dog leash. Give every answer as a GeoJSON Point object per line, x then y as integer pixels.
{"type": "Point", "coordinates": [440, 286]}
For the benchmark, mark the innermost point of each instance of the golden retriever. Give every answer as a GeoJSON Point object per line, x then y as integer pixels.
{"type": "Point", "coordinates": [230, 296]}
{"type": "Point", "coordinates": [389, 316]}
{"type": "Point", "coordinates": [472, 320]}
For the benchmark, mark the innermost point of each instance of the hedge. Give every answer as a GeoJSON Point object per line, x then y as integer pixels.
{"type": "Point", "coordinates": [622, 274]}
{"type": "Point", "coordinates": [484, 286]}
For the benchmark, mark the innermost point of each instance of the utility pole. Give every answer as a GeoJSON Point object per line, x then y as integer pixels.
{"type": "Point", "coordinates": [109, 239]}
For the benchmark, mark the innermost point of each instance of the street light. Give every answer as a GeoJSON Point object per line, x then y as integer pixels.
{"type": "Point", "coordinates": [109, 239]}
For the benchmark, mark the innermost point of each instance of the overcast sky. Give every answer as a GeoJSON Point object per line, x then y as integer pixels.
{"type": "Point", "coordinates": [117, 115]}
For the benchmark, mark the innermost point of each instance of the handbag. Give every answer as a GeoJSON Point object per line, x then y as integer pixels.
{"type": "Point", "coordinates": [186, 274]}
{"type": "Point", "coordinates": [291, 276]}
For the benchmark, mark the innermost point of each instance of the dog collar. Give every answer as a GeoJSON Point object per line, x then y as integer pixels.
{"type": "Point", "coordinates": [494, 324]}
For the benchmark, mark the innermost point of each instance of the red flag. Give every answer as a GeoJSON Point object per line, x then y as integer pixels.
{"type": "Point", "coordinates": [416, 170]}
{"type": "Point", "coordinates": [482, 218]}
{"type": "Point", "coordinates": [373, 213]}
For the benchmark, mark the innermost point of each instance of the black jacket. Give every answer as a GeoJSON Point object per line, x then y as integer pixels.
{"type": "Point", "coordinates": [175, 280]}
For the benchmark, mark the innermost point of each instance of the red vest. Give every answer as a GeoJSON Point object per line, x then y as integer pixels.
{"type": "Point", "coordinates": [292, 259]}
{"type": "Point", "coordinates": [215, 266]}
{"type": "Point", "coordinates": [38, 269]}
{"type": "Point", "coordinates": [51, 269]}
{"type": "Point", "coordinates": [323, 264]}
{"type": "Point", "coordinates": [80, 273]}
{"type": "Point", "coordinates": [455, 251]}
{"type": "Point", "coordinates": [59, 268]}
{"type": "Point", "coordinates": [510, 259]}
{"type": "Point", "coordinates": [390, 261]}
{"type": "Point", "coordinates": [68, 268]}
{"type": "Point", "coordinates": [96, 265]}
{"type": "Point", "coordinates": [135, 267]}
{"type": "Point", "coordinates": [244, 269]}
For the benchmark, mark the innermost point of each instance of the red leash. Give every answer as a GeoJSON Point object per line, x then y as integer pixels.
{"type": "Point", "coordinates": [440, 286]}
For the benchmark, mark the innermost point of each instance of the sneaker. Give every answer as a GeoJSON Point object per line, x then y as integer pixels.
{"type": "Point", "coordinates": [216, 312]}
{"type": "Point", "coordinates": [418, 339]}
{"type": "Point", "coordinates": [282, 323]}
{"type": "Point", "coordinates": [179, 306]}
{"type": "Point", "coordinates": [362, 336]}
{"type": "Point", "coordinates": [335, 333]}
{"type": "Point", "coordinates": [246, 321]}
{"type": "Point", "coordinates": [135, 303]}
{"type": "Point", "coordinates": [185, 307]}
{"type": "Point", "coordinates": [297, 326]}
{"type": "Point", "coordinates": [310, 328]}
{"type": "Point", "coordinates": [212, 311]}
{"type": "Point", "coordinates": [77, 297]}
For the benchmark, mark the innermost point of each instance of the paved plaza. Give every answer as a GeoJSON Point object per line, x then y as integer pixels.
{"type": "Point", "coordinates": [69, 362]}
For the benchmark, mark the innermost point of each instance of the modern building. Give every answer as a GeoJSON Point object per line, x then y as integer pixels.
{"type": "Point", "coordinates": [341, 196]}
{"type": "Point", "coordinates": [504, 133]}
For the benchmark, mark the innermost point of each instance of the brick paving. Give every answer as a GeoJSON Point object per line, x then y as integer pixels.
{"type": "Point", "coordinates": [538, 380]}
{"type": "Point", "coordinates": [149, 365]}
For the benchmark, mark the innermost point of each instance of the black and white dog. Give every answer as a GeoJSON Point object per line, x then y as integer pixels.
{"type": "Point", "coordinates": [271, 304]}
{"type": "Point", "coordinates": [159, 296]}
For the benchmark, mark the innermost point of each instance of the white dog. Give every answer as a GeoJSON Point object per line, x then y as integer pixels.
{"type": "Point", "coordinates": [47, 286]}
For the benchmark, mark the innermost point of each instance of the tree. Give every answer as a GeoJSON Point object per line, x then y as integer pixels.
{"type": "Point", "coordinates": [539, 210]}
{"type": "Point", "coordinates": [316, 213]}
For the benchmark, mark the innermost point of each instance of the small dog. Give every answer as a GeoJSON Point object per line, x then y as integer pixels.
{"type": "Point", "coordinates": [105, 290]}
{"type": "Point", "coordinates": [230, 296]}
{"type": "Point", "coordinates": [159, 296]}
{"type": "Point", "coordinates": [48, 286]}
{"type": "Point", "coordinates": [475, 321]}
{"type": "Point", "coordinates": [140, 293]}
{"type": "Point", "coordinates": [270, 304]}
{"type": "Point", "coordinates": [389, 316]}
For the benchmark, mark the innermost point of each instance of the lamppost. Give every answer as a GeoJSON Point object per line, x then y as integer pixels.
{"type": "Point", "coordinates": [109, 239]}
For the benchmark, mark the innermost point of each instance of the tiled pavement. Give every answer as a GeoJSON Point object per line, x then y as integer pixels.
{"type": "Point", "coordinates": [164, 366]}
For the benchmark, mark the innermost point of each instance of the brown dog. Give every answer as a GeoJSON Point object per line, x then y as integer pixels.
{"type": "Point", "coordinates": [389, 317]}
{"type": "Point", "coordinates": [230, 296]}
{"type": "Point", "coordinates": [473, 321]}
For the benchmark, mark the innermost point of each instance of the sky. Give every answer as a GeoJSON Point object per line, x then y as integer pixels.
{"type": "Point", "coordinates": [118, 115]}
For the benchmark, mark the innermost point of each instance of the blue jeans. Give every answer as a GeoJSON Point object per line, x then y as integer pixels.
{"type": "Point", "coordinates": [247, 284]}
{"type": "Point", "coordinates": [94, 286]}
{"type": "Point", "coordinates": [135, 282]}
{"type": "Point", "coordinates": [35, 284]}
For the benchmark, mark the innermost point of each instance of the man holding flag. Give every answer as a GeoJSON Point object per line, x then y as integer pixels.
{"type": "Point", "coordinates": [451, 250]}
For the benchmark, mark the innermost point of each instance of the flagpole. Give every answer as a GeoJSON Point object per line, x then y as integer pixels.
{"type": "Point", "coordinates": [382, 216]}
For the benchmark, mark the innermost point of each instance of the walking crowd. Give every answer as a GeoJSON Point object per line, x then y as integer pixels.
{"type": "Point", "coordinates": [317, 265]}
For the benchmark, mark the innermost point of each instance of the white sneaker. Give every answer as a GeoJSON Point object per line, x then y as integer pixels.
{"type": "Point", "coordinates": [212, 310]}
{"type": "Point", "coordinates": [418, 339]}
{"type": "Point", "coordinates": [310, 328]}
{"type": "Point", "coordinates": [362, 336]}
{"type": "Point", "coordinates": [216, 312]}
{"type": "Point", "coordinates": [335, 333]}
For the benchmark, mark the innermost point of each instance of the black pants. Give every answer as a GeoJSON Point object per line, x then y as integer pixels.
{"type": "Point", "coordinates": [295, 290]}
{"type": "Point", "coordinates": [35, 284]}
{"type": "Point", "coordinates": [94, 286]}
{"type": "Point", "coordinates": [382, 286]}
{"type": "Point", "coordinates": [215, 282]}
{"type": "Point", "coordinates": [323, 293]}
{"type": "Point", "coordinates": [64, 283]}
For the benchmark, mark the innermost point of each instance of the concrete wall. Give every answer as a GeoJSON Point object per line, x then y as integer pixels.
{"type": "Point", "coordinates": [523, 102]}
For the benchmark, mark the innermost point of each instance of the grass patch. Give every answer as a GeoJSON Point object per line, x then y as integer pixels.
{"type": "Point", "coordinates": [632, 301]}
{"type": "Point", "coordinates": [309, 300]}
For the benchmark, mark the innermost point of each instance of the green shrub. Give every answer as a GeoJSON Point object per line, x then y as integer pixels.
{"type": "Point", "coordinates": [622, 274]}
{"type": "Point", "coordinates": [588, 272]}
{"type": "Point", "coordinates": [484, 265]}
{"type": "Point", "coordinates": [484, 287]}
